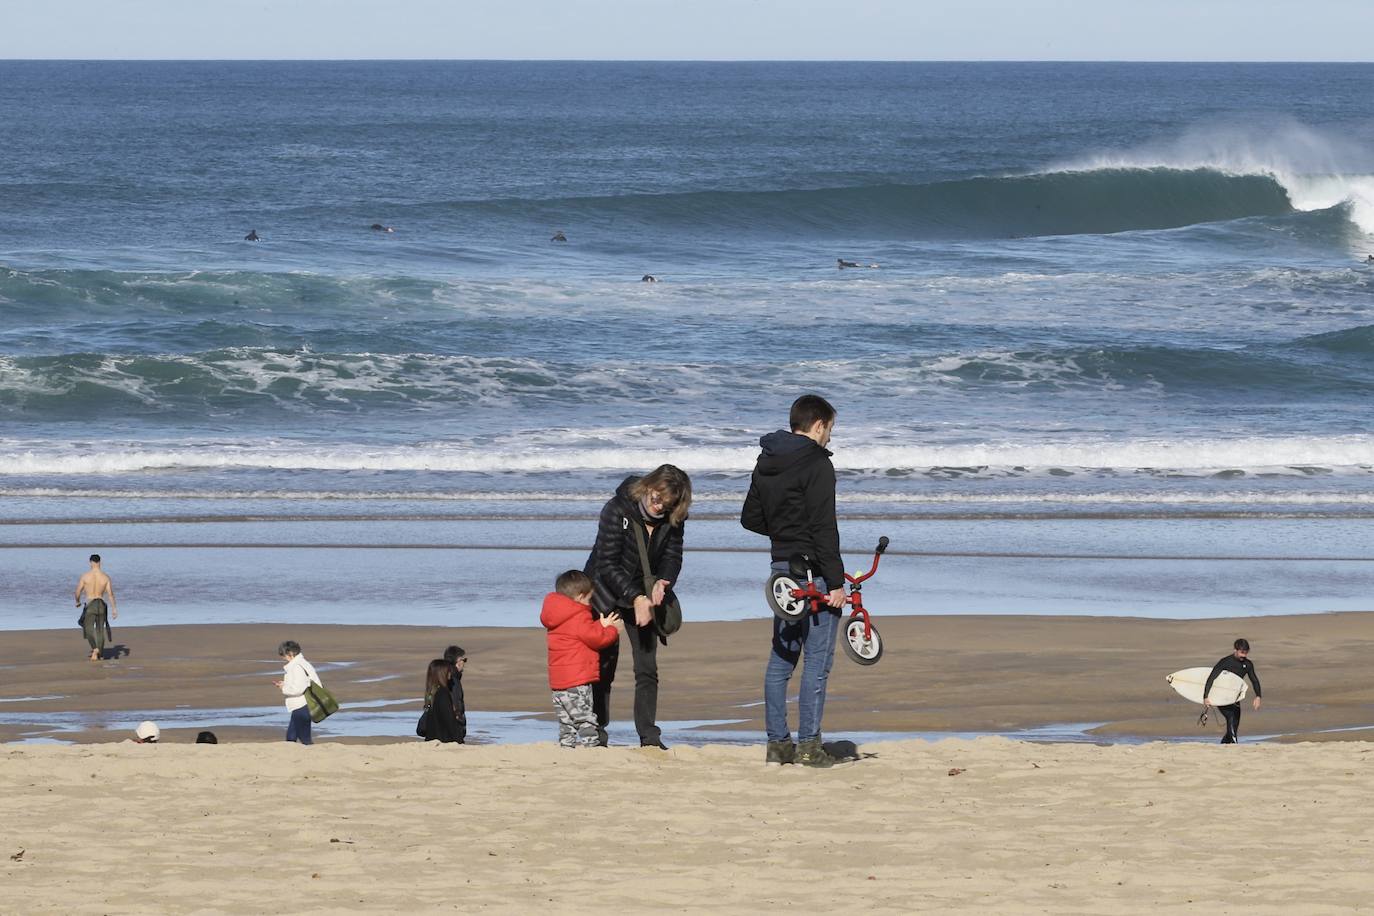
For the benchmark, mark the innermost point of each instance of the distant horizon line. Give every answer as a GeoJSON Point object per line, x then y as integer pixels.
{"type": "Point", "coordinates": [667, 60]}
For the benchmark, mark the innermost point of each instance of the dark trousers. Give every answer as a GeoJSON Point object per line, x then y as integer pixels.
{"type": "Point", "coordinates": [95, 624]}
{"type": "Point", "coordinates": [644, 651]}
{"type": "Point", "coordinates": [1231, 714]}
{"type": "Point", "coordinates": [299, 727]}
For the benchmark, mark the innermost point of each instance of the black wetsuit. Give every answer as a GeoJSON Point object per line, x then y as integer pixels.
{"type": "Point", "coordinates": [1241, 668]}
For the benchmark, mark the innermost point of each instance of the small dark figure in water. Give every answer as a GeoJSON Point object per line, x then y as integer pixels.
{"type": "Point", "coordinates": [252, 236]}
{"type": "Point", "coordinates": [1370, 259]}
{"type": "Point", "coordinates": [842, 263]}
{"type": "Point", "coordinates": [648, 278]}
{"type": "Point", "coordinates": [559, 237]}
{"type": "Point", "coordinates": [378, 227]}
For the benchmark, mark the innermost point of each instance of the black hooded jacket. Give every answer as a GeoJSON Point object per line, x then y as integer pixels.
{"type": "Point", "coordinates": [792, 500]}
{"type": "Point", "coordinates": [613, 566]}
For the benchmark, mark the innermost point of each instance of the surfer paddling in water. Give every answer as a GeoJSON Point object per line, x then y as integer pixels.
{"type": "Point", "coordinates": [1239, 664]}
{"type": "Point", "coordinates": [95, 625]}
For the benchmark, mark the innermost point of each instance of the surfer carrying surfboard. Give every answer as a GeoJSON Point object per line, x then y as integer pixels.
{"type": "Point", "coordinates": [1239, 664]}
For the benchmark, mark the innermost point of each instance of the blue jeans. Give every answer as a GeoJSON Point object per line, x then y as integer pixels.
{"type": "Point", "coordinates": [299, 729]}
{"type": "Point", "coordinates": [814, 638]}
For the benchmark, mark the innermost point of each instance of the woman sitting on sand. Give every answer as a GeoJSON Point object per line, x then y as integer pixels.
{"type": "Point", "coordinates": [440, 722]}
{"type": "Point", "coordinates": [656, 503]}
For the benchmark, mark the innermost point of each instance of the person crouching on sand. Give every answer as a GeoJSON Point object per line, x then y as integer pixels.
{"type": "Point", "coordinates": [575, 638]}
{"type": "Point", "coordinates": [1239, 664]}
{"type": "Point", "coordinates": [299, 675]}
{"type": "Point", "coordinates": [441, 718]}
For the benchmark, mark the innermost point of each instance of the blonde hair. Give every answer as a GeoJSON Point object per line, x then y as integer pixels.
{"type": "Point", "coordinates": [673, 483]}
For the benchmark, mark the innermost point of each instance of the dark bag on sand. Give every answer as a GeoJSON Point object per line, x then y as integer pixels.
{"type": "Point", "coordinates": [668, 615]}
{"type": "Point", "coordinates": [320, 702]}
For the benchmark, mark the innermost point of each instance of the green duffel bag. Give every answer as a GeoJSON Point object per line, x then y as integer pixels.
{"type": "Point", "coordinates": [320, 702]}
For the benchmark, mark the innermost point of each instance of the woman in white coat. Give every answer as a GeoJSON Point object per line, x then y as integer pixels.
{"type": "Point", "coordinates": [299, 675]}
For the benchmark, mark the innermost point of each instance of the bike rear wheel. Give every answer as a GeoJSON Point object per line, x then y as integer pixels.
{"type": "Point", "coordinates": [778, 590]}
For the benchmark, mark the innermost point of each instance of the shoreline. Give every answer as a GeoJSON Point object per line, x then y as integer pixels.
{"type": "Point", "coordinates": [956, 675]}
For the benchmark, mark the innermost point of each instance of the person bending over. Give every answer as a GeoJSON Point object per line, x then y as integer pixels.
{"type": "Point", "coordinates": [654, 506]}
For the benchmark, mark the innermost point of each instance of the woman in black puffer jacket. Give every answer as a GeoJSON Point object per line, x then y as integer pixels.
{"type": "Point", "coordinates": [658, 501]}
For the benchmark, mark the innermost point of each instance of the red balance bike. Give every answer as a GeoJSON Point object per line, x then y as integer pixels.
{"type": "Point", "coordinates": [791, 600]}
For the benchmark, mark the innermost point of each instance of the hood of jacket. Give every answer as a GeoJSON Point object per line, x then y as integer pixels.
{"type": "Point", "coordinates": [559, 609]}
{"type": "Point", "coordinates": [784, 449]}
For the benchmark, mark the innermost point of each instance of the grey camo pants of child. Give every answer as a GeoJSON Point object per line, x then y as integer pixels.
{"type": "Point", "coordinates": [576, 718]}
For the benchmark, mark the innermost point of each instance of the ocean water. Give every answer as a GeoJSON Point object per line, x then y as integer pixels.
{"type": "Point", "coordinates": [1104, 292]}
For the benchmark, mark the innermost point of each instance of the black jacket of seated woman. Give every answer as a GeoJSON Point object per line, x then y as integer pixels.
{"type": "Point", "coordinates": [441, 718]}
{"type": "Point", "coordinates": [658, 501]}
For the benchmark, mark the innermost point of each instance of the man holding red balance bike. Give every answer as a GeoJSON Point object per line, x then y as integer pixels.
{"type": "Point", "coordinates": [792, 501]}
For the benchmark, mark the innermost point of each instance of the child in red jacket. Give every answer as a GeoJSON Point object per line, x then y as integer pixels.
{"type": "Point", "coordinates": [576, 637]}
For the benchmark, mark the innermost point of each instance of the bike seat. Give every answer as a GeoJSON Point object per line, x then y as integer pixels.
{"type": "Point", "coordinates": [799, 565]}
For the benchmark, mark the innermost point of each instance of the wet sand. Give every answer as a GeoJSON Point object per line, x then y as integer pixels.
{"type": "Point", "coordinates": [939, 674]}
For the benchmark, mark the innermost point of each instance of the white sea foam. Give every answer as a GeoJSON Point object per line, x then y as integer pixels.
{"type": "Point", "coordinates": [1200, 455]}
{"type": "Point", "coordinates": [731, 497]}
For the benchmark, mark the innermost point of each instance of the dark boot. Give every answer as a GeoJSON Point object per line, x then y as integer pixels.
{"type": "Point", "coordinates": [812, 754]}
{"type": "Point", "coordinates": [780, 752]}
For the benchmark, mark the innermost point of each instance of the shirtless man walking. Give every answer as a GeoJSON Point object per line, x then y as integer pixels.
{"type": "Point", "coordinates": [94, 624]}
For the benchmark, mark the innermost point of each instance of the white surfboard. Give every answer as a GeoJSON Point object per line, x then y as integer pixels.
{"type": "Point", "coordinates": [1228, 688]}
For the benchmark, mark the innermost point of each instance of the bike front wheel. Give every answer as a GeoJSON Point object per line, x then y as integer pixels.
{"type": "Point", "coordinates": [861, 648]}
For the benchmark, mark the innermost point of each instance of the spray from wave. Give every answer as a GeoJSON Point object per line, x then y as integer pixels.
{"type": "Point", "coordinates": [1314, 170]}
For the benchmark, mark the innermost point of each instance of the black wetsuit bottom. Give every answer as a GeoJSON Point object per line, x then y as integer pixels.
{"type": "Point", "coordinates": [1232, 716]}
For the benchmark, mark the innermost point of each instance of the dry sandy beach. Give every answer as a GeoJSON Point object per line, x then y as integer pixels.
{"type": "Point", "coordinates": [270, 827]}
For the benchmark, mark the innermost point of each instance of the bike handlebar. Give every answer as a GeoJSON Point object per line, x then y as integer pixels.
{"type": "Point", "coordinates": [877, 555]}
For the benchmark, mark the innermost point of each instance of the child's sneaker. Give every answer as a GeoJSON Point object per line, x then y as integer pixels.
{"type": "Point", "coordinates": [780, 752]}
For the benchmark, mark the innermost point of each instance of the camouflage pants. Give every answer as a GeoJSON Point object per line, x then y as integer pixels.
{"type": "Point", "coordinates": [576, 718]}
{"type": "Point", "coordinates": [95, 623]}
